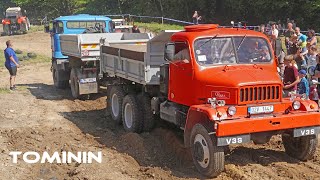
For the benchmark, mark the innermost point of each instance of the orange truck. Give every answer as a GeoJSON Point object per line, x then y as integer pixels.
{"type": "Point", "coordinates": [220, 86]}
{"type": "Point", "coordinates": [15, 21]}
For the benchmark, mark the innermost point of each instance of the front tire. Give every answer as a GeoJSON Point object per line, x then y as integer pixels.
{"type": "Point", "coordinates": [207, 157]}
{"type": "Point", "coordinates": [302, 148]}
{"type": "Point", "coordinates": [132, 119]}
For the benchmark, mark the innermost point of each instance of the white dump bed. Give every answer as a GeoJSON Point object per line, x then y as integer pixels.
{"type": "Point", "coordinates": [139, 63]}
{"type": "Point", "coordinates": [87, 46]}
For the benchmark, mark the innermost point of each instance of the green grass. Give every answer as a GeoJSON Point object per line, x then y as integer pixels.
{"type": "Point", "coordinates": [38, 59]}
{"type": "Point", "coordinates": [4, 90]}
{"type": "Point", "coordinates": [156, 27]}
{"type": "Point", "coordinates": [35, 28]}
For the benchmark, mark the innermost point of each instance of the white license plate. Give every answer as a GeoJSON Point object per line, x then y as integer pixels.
{"type": "Point", "coordinates": [88, 80]}
{"type": "Point", "coordinates": [260, 109]}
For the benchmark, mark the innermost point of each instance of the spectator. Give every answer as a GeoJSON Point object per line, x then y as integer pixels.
{"type": "Point", "coordinates": [312, 39]}
{"type": "Point", "coordinates": [288, 34]}
{"type": "Point", "coordinates": [263, 28]}
{"type": "Point", "coordinates": [274, 32]}
{"type": "Point", "coordinates": [302, 42]}
{"type": "Point", "coordinates": [196, 18]}
{"type": "Point", "coordinates": [11, 63]}
{"type": "Point", "coordinates": [135, 29]}
{"type": "Point", "coordinates": [303, 86]}
{"type": "Point", "coordinates": [313, 91]}
{"type": "Point", "coordinates": [317, 71]}
{"type": "Point", "coordinates": [312, 56]}
{"type": "Point", "coordinates": [290, 76]}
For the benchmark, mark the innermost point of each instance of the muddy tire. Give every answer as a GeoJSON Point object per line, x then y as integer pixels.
{"type": "Point", "coordinates": [302, 148]}
{"type": "Point", "coordinates": [74, 84]}
{"type": "Point", "coordinates": [148, 117]}
{"type": "Point", "coordinates": [58, 83]}
{"type": "Point", "coordinates": [207, 157]}
{"type": "Point", "coordinates": [114, 103]}
{"type": "Point", "coordinates": [132, 118]}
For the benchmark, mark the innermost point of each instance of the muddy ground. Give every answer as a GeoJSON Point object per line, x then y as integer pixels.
{"type": "Point", "coordinates": [38, 117]}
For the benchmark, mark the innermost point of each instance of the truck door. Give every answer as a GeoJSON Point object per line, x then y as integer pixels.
{"type": "Point", "coordinates": [181, 75]}
{"type": "Point", "coordinates": [55, 40]}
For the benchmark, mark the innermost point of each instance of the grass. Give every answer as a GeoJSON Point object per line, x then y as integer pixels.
{"type": "Point", "coordinates": [156, 27]}
{"type": "Point", "coordinates": [38, 59]}
{"type": "Point", "coordinates": [35, 28]}
{"type": "Point", "coordinates": [4, 90]}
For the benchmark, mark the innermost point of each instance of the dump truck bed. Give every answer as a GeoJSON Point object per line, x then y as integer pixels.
{"type": "Point", "coordinates": [139, 62]}
{"type": "Point", "coordinates": [87, 46]}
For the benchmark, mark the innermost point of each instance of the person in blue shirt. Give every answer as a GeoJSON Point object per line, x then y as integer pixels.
{"type": "Point", "coordinates": [11, 63]}
{"type": "Point", "coordinates": [303, 86]}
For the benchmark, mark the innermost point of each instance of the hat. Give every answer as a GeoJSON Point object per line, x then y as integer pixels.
{"type": "Point", "coordinates": [302, 71]}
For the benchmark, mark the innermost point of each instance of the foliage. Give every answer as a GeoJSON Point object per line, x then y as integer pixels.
{"type": "Point", "coordinates": [306, 13]}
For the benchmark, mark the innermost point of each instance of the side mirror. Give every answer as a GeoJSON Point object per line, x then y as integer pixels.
{"type": "Point", "coordinates": [169, 51]}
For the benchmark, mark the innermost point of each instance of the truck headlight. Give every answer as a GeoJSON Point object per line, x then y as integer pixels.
{"type": "Point", "coordinates": [296, 105]}
{"type": "Point", "coordinates": [232, 110]}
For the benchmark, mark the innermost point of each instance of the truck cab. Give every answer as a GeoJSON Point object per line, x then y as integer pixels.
{"type": "Point", "coordinates": [75, 24]}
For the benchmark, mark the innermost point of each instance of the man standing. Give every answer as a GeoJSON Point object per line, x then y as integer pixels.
{"type": "Point", "coordinates": [12, 63]}
{"type": "Point", "coordinates": [288, 34]}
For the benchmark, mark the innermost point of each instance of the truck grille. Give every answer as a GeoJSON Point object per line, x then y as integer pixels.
{"type": "Point", "coordinates": [259, 94]}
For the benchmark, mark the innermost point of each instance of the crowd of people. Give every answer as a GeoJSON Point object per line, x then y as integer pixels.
{"type": "Point", "coordinates": [300, 67]}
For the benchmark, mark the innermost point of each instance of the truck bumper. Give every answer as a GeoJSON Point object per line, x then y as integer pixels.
{"type": "Point", "coordinates": [240, 130]}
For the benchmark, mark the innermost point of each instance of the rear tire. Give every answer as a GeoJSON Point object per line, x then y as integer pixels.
{"type": "Point", "coordinates": [302, 148]}
{"type": "Point", "coordinates": [132, 119]}
{"type": "Point", "coordinates": [114, 103]}
{"type": "Point", "coordinates": [207, 157]}
{"type": "Point", "coordinates": [148, 116]}
{"type": "Point", "coordinates": [56, 75]}
{"type": "Point", "coordinates": [74, 84]}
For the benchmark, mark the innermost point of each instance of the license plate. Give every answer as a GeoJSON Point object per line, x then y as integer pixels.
{"type": "Point", "coordinates": [306, 131]}
{"type": "Point", "coordinates": [260, 109]}
{"type": "Point", "coordinates": [225, 141]}
{"type": "Point", "coordinates": [88, 80]}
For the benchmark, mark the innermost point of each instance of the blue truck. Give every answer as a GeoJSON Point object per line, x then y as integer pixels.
{"type": "Point", "coordinates": [73, 24]}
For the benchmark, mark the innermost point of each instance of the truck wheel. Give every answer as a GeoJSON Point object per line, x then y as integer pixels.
{"type": "Point", "coordinates": [302, 148]}
{"type": "Point", "coordinates": [207, 157]}
{"type": "Point", "coordinates": [58, 83]}
{"type": "Point", "coordinates": [74, 84]}
{"type": "Point", "coordinates": [114, 103]}
{"type": "Point", "coordinates": [131, 114]}
{"type": "Point", "coordinates": [148, 116]}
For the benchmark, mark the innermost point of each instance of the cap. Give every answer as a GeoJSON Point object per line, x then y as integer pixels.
{"type": "Point", "coordinates": [314, 81]}
{"type": "Point", "coordinates": [302, 71]}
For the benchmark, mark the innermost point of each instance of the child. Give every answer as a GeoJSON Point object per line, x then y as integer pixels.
{"type": "Point", "coordinates": [290, 76]}
{"type": "Point", "coordinates": [303, 86]}
{"type": "Point", "coordinates": [313, 91]}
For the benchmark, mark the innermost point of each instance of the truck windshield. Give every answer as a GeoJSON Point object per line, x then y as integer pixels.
{"type": "Point", "coordinates": [84, 24]}
{"type": "Point", "coordinates": [232, 50]}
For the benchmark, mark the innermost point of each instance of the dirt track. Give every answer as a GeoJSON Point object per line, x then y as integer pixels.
{"type": "Point", "coordinates": [40, 118]}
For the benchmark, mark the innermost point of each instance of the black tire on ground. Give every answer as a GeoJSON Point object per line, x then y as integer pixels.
{"type": "Point", "coordinates": [132, 119]}
{"type": "Point", "coordinates": [74, 84]}
{"type": "Point", "coordinates": [114, 103]}
{"type": "Point", "coordinates": [208, 158]}
{"type": "Point", "coordinates": [148, 117]}
{"type": "Point", "coordinates": [58, 83]}
{"type": "Point", "coordinates": [302, 148]}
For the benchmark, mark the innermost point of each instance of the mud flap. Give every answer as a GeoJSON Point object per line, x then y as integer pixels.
{"type": "Point", "coordinates": [88, 86]}
{"type": "Point", "coordinates": [306, 131]}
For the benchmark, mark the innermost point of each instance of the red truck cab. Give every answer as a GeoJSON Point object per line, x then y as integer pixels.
{"type": "Point", "coordinates": [230, 88]}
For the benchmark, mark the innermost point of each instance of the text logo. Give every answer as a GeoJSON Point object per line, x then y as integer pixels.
{"type": "Point", "coordinates": [220, 94]}
{"type": "Point", "coordinates": [63, 157]}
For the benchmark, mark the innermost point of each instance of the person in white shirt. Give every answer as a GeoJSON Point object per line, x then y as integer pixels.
{"type": "Point", "coordinates": [274, 32]}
